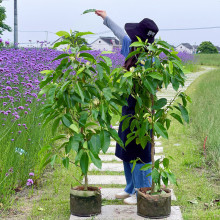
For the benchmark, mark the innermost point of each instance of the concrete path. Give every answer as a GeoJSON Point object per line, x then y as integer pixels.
{"type": "Point", "coordinates": [112, 163]}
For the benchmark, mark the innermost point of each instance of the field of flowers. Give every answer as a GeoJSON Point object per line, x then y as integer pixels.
{"type": "Point", "coordinates": [21, 131]}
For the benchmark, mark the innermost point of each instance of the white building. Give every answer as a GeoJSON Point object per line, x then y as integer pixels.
{"type": "Point", "coordinates": [105, 43]}
{"type": "Point", "coordinates": [185, 47]}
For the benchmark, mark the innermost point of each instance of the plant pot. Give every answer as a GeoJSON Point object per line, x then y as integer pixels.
{"type": "Point", "coordinates": [153, 206]}
{"type": "Point", "coordinates": [85, 203]}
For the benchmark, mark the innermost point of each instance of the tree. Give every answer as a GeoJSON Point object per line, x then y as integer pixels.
{"type": "Point", "coordinates": [207, 47]}
{"type": "Point", "coordinates": [3, 26]}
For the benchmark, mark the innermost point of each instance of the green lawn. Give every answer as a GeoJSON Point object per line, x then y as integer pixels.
{"type": "Point", "coordinates": [208, 59]}
{"type": "Point", "coordinates": [198, 181]}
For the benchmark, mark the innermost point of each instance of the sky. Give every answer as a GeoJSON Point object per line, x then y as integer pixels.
{"type": "Point", "coordinates": [57, 15]}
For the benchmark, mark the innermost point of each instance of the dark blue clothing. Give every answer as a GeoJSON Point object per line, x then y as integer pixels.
{"type": "Point", "coordinates": [132, 150]}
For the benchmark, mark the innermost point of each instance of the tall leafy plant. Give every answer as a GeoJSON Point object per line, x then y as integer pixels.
{"type": "Point", "coordinates": [82, 95]}
{"type": "Point", "coordinates": [153, 115]}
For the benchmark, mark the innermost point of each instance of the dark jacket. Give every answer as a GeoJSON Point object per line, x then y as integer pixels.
{"type": "Point", "coordinates": [132, 150]}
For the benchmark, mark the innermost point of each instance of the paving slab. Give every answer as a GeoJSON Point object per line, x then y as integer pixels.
{"type": "Point", "coordinates": [106, 179]}
{"type": "Point", "coordinates": [109, 158]}
{"type": "Point", "coordinates": [157, 143]}
{"type": "Point", "coordinates": [108, 167]}
{"type": "Point", "coordinates": [109, 193]}
{"type": "Point", "coordinates": [127, 212]}
{"type": "Point", "coordinates": [158, 150]}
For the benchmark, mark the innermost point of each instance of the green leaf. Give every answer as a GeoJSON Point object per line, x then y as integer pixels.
{"type": "Point", "coordinates": [165, 181]}
{"type": "Point", "coordinates": [68, 148]}
{"type": "Point", "coordinates": [155, 176]}
{"type": "Point", "coordinates": [149, 86]}
{"type": "Point", "coordinates": [55, 126]}
{"type": "Point", "coordinates": [166, 162]}
{"type": "Point", "coordinates": [134, 164]}
{"type": "Point", "coordinates": [172, 178]}
{"type": "Point", "coordinates": [175, 83]}
{"type": "Point", "coordinates": [44, 90]}
{"type": "Point", "coordinates": [73, 127]}
{"type": "Point", "coordinates": [100, 71]}
{"type": "Point", "coordinates": [95, 144]}
{"type": "Point", "coordinates": [47, 72]}
{"type": "Point", "coordinates": [115, 136]}
{"type": "Point", "coordinates": [159, 128]}
{"type": "Point", "coordinates": [95, 114]}
{"type": "Point", "coordinates": [51, 93]}
{"type": "Point", "coordinates": [184, 113]}
{"type": "Point", "coordinates": [146, 167]}
{"type": "Point", "coordinates": [66, 162]}
{"type": "Point", "coordinates": [43, 149]}
{"type": "Point", "coordinates": [166, 78]}
{"type": "Point", "coordinates": [95, 159]}
{"type": "Point", "coordinates": [67, 121]}
{"type": "Point", "coordinates": [157, 164]}
{"type": "Point", "coordinates": [143, 128]}
{"type": "Point", "coordinates": [107, 60]}
{"type": "Point", "coordinates": [144, 141]}
{"type": "Point", "coordinates": [177, 117]}
{"type": "Point", "coordinates": [63, 33]}
{"type": "Point", "coordinates": [127, 74]}
{"type": "Point", "coordinates": [89, 11]}
{"type": "Point", "coordinates": [75, 140]}
{"type": "Point", "coordinates": [58, 137]}
{"type": "Point", "coordinates": [159, 104]}
{"type": "Point", "coordinates": [84, 163]}
{"type": "Point", "coordinates": [168, 123]}
{"type": "Point", "coordinates": [83, 119]}
{"type": "Point", "coordinates": [125, 123]}
{"type": "Point", "coordinates": [61, 56]}
{"type": "Point", "coordinates": [107, 52]}
{"type": "Point", "coordinates": [132, 54]}
{"type": "Point", "coordinates": [87, 55]}
{"type": "Point", "coordinates": [107, 93]}
{"type": "Point", "coordinates": [78, 156]}
{"type": "Point", "coordinates": [156, 75]}
{"type": "Point", "coordinates": [61, 43]}
{"type": "Point", "coordinates": [137, 44]}
{"type": "Point", "coordinates": [53, 159]}
{"type": "Point", "coordinates": [105, 140]}
{"type": "Point", "coordinates": [129, 140]}
{"type": "Point", "coordinates": [79, 34]}
{"type": "Point", "coordinates": [80, 91]}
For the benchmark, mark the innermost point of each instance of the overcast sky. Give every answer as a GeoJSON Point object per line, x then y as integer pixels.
{"type": "Point", "coordinates": [55, 15]}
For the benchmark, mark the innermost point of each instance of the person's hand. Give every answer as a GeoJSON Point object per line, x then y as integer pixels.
{"type": "Point", "coordinates": [101, 13]}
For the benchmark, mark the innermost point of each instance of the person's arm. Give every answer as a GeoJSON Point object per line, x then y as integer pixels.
{"type": "Point", "coordinates": [118, 31]}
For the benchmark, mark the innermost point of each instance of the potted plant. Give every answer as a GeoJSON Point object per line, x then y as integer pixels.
{"type": "Point", "coordinates": [81, 96]}
{"type": "Point", "coordinates": [157, 66]}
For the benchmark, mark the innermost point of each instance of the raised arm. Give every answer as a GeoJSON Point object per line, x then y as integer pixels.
{"type": "Point", "coordinates": [118, 31]}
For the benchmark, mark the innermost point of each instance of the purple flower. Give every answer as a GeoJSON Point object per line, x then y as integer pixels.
{"type": "Point", "coordinates": [6, 42]}
{"type": "Point", "coordinates": [0, 40]}
{"type": "Point", "coordinates": [7, 174]}
{"type": "Point", "coordinates": [19, 132]}
{"type": "Point", "coordinates": [21, 107]}
{"type": "Point", "coordinates": [29, 182]}
{"type": "Point", "coordinates": [12, 139]}
{"type": "Point", "coordinates": [11, 170]}
{"type": "Point", "coordinates": [31, 174]}
{"type": "Point", "coordinates": [8, 88]}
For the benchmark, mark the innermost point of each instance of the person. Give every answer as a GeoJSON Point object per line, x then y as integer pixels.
{"type": "Point", "coordinates": [146, 29]}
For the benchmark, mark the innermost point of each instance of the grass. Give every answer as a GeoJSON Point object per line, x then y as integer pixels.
{"type": "Point", "coordinates": [29, 142]}
{"type": "Point", "coordinates": [208, 59]}
{"type": "Point", "coordinates": [198, 188]}
{"type": "Point", "coordinates": [205, 115]}
{"type": "Point", "coordinates": [50, 199]}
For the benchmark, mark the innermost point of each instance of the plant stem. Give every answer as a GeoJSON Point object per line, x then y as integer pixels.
{"type": "Point", "coordinates": [86, 183]}
{"type": "Point", "coordinates": [152, 142]}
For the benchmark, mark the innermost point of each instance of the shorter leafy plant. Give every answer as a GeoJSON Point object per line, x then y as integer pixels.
{"type": "Point", "coordinates": [152, 114]}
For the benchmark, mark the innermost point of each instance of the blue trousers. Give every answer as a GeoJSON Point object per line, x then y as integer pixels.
{"type": "Point", "coordinates": [137, 178]}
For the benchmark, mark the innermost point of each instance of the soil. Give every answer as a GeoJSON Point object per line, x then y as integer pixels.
{"type": "Point", "coordinates": [90, 188]}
